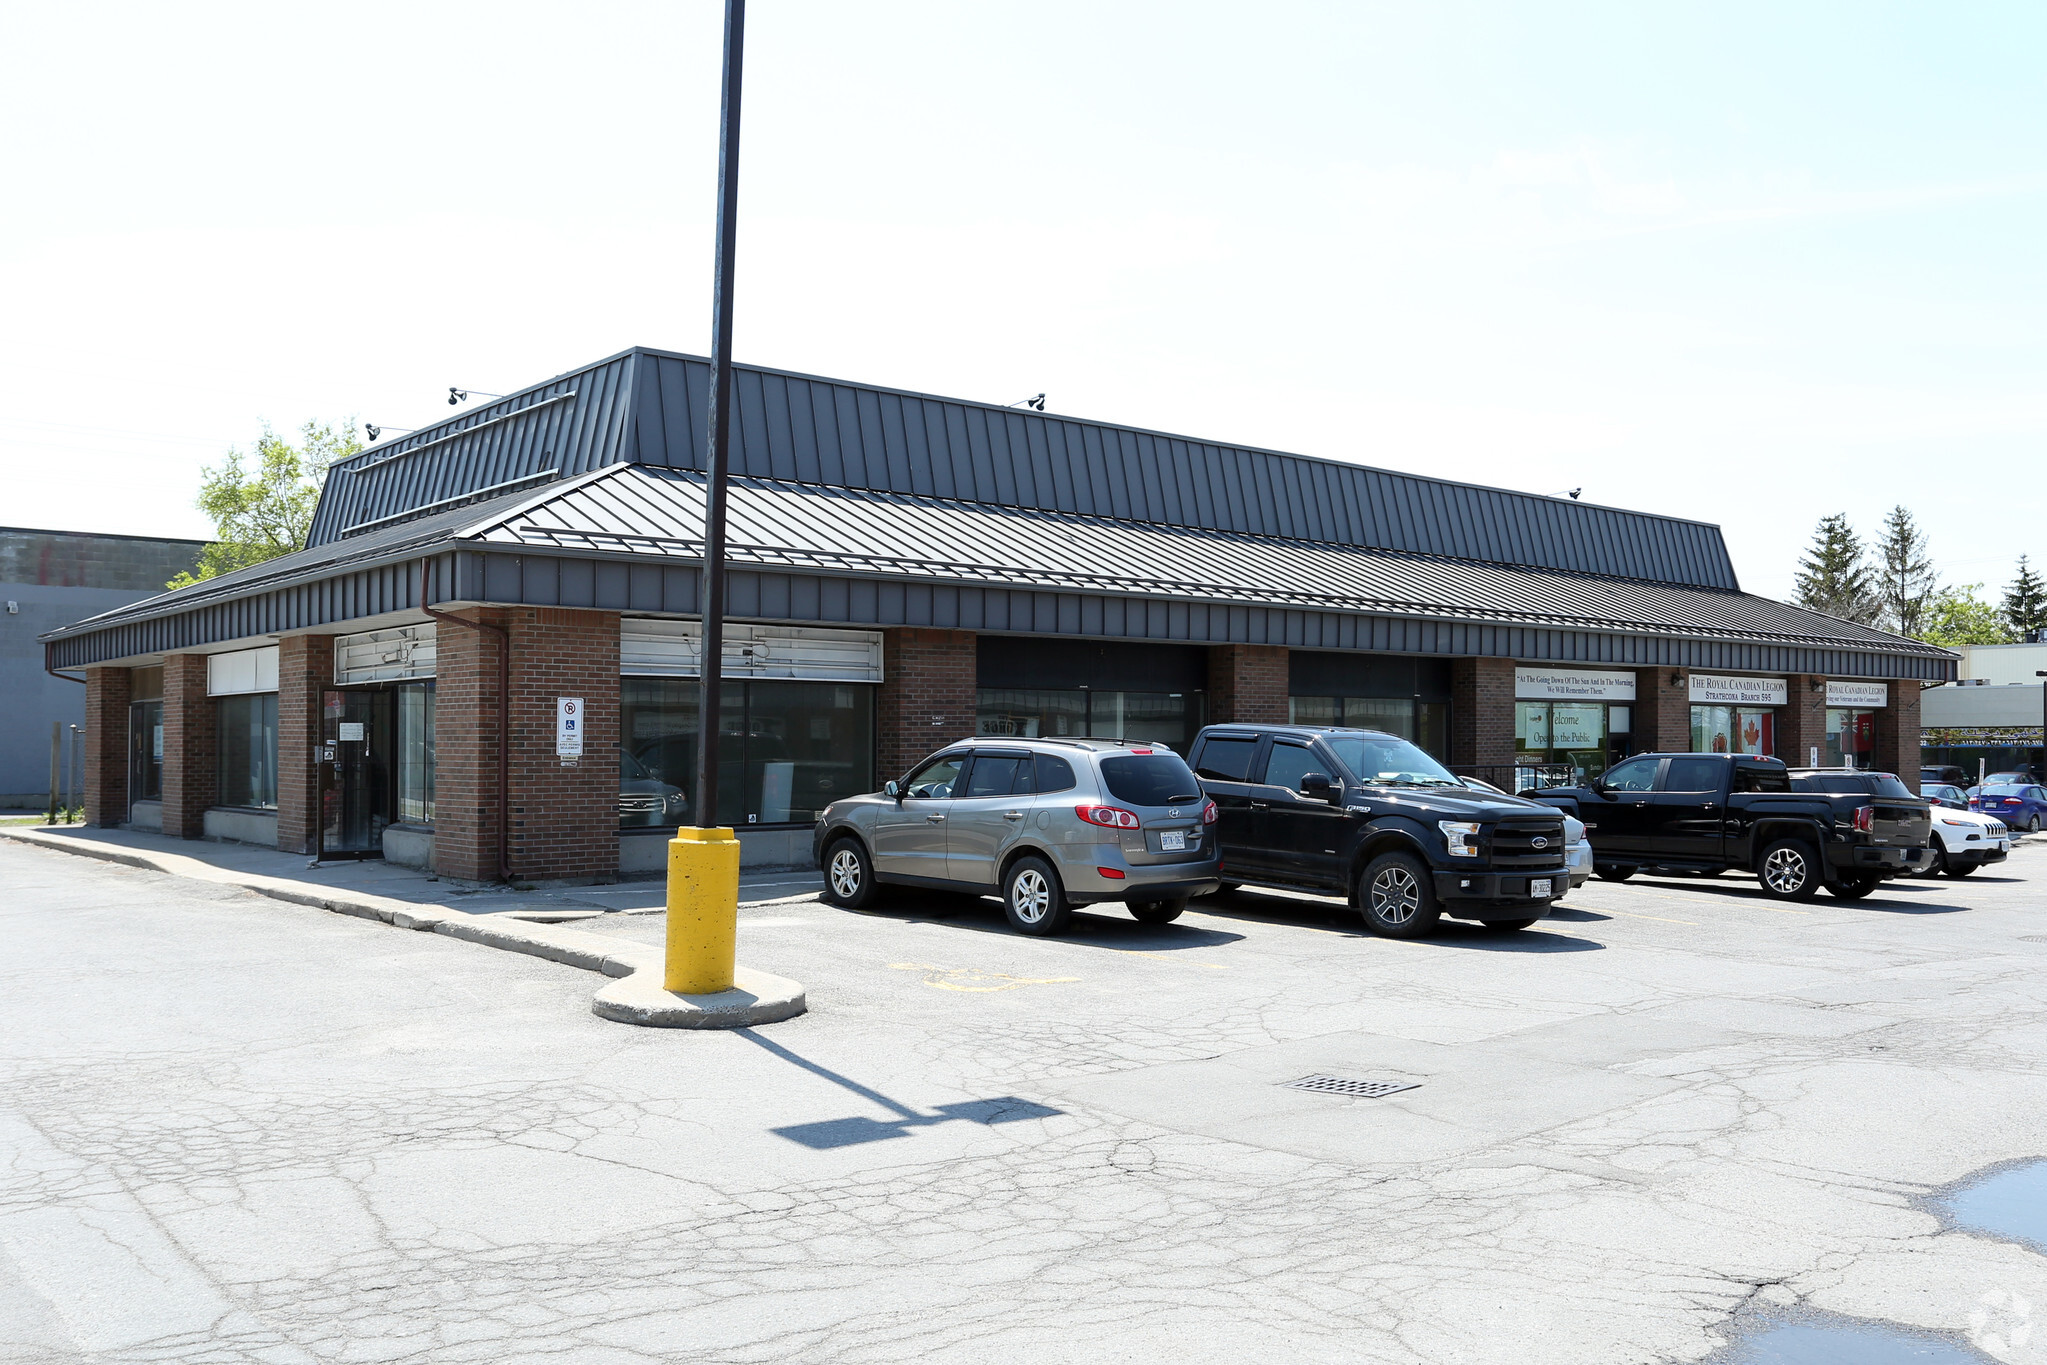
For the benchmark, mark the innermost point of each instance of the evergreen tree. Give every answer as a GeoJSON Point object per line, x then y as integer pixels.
{"type": "Point", "coordinates": [1833, 576]}
{"type": "Point", "coordinates": [1904, 573]}
{"type": "Point", "coordinates": [2025, 601]}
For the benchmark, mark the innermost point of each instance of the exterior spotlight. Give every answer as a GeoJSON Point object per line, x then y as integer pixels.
{"type": "Point", "coordinates": [1677, 679]}
{"type": "Point", "coordinates": [1036, 402]}
{"type": "Point", "coordinates": [456, 396]}
{"type": "Point", "coordinates": [377, 433]}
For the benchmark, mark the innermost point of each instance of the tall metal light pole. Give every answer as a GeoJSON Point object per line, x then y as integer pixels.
{"type": "Point", "coordinates": [712, 581]}
{"type": "Point", "coordinates": [703, 859]}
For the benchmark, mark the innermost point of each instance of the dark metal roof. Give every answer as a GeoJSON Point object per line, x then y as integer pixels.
{"type": "Point", "coordinates": [645, 406]}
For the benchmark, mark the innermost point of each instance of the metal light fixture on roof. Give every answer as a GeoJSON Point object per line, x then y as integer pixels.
{"type": "Point", "coordinates": [1036, 402]}
{"type": "Point", "coordinates": [457, 396]}
{"type": "Point", "coordinates": [377, 433]}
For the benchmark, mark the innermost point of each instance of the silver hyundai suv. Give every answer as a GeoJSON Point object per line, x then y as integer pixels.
{"type": "Point", "coordinates": [1047, 824]}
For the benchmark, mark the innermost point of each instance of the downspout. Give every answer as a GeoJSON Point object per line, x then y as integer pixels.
{"type": "Point", "coordinates": [504, 716]}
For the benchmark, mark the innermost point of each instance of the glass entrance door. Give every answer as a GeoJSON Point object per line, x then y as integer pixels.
{"type": "Point", "coordinates": [356, 774]}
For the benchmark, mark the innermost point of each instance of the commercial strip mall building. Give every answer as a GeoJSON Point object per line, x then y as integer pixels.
{"type": "Point", "coordinates": [485, 661]}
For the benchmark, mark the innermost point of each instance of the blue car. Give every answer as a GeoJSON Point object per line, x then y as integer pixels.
{"type": "Point", "coordinates": [2019, 806]}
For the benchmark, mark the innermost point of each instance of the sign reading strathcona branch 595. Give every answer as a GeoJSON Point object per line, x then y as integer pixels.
{"type": "Point", "coordinates": [1575, 684]}
{"type": "Point", "coordinates": [1727, 690]}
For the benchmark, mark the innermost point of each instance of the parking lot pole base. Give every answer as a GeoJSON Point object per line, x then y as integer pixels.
{"type": "Point", "coordinates": [755, 998]}
{"type": "Point", "coordinates": [703, 911]}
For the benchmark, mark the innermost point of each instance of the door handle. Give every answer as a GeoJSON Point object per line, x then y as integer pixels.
{"type": "Point", "coordinates": [1012, 815]}
{"type": "Point", "coordinates": [1639, 805]}
{"type": "Point", "coordinates": [1261, 805]}
{"type": "Point", "coordinates": [934, 819]}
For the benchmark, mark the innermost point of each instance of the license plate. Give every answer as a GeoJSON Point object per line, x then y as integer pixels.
{"type": "Point", "coordinates": [1172, 841]}
{"type": "Point", "coordinates": [1539, 887]}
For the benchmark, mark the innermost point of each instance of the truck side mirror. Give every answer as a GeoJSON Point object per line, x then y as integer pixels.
{"type": "Point", "coordinates": [1318, 786]}
{"type": "Point", "coordinates": [1598, 784]}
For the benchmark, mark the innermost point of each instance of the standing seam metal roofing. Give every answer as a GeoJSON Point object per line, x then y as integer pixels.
{"type": "Point", "coordinates": [646, 406]}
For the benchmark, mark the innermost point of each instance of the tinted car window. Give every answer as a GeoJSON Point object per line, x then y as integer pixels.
{"type": "Point", "coordinates": [1228, 759]}
{"type": "Point", "coordinates": [1761, 780]}
{"type": "Point", "coordinates": [996, 774]}
{"type": "Point", "coordinates": [1941, 791]}
{"type": "Point", "coordinates": [1887, 784]}
{"type": "Point", "coordinates": [1636, 775]}
{"type": "Point", "coordinates": [1054, 774]}
{"type": "Point", "coordinates": [1150, 779]}
{"type": "Point", "coordinates": [1288, 763]}
{"type": "Point", "coordinates": [1837, 783]}
{"type": "Point", "coordinates": [1693, 775]}
{"type": "Point", "coordinates": [937, 778]}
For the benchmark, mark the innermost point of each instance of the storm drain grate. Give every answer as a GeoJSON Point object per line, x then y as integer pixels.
{"type": "Point", "coordinates": [1339, 1085]}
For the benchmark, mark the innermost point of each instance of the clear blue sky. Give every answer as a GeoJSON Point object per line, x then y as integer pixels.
{"type": "Point", "coordinates": [1741, 262]}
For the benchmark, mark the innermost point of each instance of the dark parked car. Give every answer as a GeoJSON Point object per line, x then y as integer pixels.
{"type": "Point", "coordinates": [1947, 773]}
{"type": "Point", "coordinates": [1944, 794]}
{"type": "Point", "coordinates": [1848, 831]}
{"type": "Point", "coordinates": [2019, 805]}
{"type": "Point", "coordinates": [1368, 815]}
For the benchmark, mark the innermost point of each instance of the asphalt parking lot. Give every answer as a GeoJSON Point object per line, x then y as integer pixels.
{"type": "Point", "coordinates": [1673, 1112]}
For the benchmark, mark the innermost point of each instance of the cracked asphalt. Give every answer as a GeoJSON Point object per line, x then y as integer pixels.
{"type": "Point", "coordinates": [238, 1130]}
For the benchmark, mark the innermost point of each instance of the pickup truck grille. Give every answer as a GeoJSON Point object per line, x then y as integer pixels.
{"type": "Point", "coordinates": [1514, 843]}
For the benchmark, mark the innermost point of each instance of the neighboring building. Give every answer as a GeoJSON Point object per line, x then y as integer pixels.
{"type": "Point", "coordinates": [906, 570]}
{"type": "Point", "coordinates": [48, 578]}
{"type": "Point", "coordinates": [1991, 720]}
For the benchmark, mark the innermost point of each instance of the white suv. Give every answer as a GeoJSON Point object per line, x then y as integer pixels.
{"type": "Point", "coordinates": [1964, 840]}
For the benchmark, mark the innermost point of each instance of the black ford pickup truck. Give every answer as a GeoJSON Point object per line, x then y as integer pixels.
{"type": "Point", "coordinates": [1719, 812]}
{"type": "Point", "coordinates": [1368, 815]}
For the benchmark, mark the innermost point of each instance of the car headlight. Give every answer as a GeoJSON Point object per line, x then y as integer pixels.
{"type": "Point", "coordinates": [1461, 836]}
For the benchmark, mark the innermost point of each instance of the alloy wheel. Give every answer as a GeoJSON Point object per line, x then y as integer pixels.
{"type": "Point", "coordinates": [1396, 895]}
{"type": "Point", "coordinates": [1030, 895]}
{"type": "Point", "coordinates": [845, 873]}
{"type": "Point", "coordinates": [1784, 870]}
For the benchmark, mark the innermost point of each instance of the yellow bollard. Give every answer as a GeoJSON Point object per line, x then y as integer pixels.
{"type": "Point", "coordinates": [703, 911]}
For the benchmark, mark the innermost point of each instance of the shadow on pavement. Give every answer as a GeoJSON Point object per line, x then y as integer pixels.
{"type": "Point", "coordinates": [851, 1132]}
{"type": "Point", "coordinates": [1336, 916]}
{"type": "Point", "coordinates": [1094, 926]}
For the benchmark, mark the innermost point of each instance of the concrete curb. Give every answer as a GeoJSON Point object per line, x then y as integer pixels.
{"type": "Point", "coordinates": [757, 997]}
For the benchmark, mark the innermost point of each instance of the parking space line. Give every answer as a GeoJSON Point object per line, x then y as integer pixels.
{"type": "Point", "coordinates": [1658, 918]}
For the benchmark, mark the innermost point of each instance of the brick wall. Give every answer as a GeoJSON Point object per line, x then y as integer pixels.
{"type": "Point", "coordinates": [106, 746]}
{"type": "Point", "coordinates": [563, 819]}
{"type": "Point", "coordinates": [1897, 734]}
{"type": "Point", "coordinates": [1248, 683]}
{"type": "Point", "coordinates": [305, 670]}
{"type": "Point", "coordinates": [1802, 720]}
{"type": "Point", "coordinates": [1663, 711]}
{"type": "Point", "coordinates": [1481, 711]}
{"type": "Point", "coordinates": [927, 698]}
{"type": "Point", "coordinates": [191, 776]}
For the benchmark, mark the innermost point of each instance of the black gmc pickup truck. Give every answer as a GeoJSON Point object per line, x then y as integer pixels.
{"type": "Point", "coordinates": [1367, 814]}
{"type": "Point", "coordinates": [1712, 813]}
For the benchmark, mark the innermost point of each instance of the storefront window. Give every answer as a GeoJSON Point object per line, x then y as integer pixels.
{"type": "Point", "coordinates": [1426, 723]}
{"type": "Point", "coordinates": [416, 753]}
{"type": "Point", "coordinates": [1582, 735]}
{"type": "Point", "coordinates": [1851, 738]}
{"type": "Point", "coordinates": [1734, 730]}
{"type": "Point", "coordinates": [248, 749]}
{"type": "Point", "coordinates": [1168, 718]}
{"type": "Point", "coordinates": [786, 750]}
{"type": "Point", "coordinates": [145, 751]}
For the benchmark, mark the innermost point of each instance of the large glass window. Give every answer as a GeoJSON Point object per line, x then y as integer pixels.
{"type": "Point", "coordinates": [248, 749]}
{"type": "Point", "coordinates": [1167, 718]}
{"type": "Point", "coordinates": [1734, 730]}
{"type": "Point", "coordinates": [1426, 723]}
{"type": "Point", "coordinates": [145, 751]}
{"type": "Point", "coordinates": [416, 753]}
{"type": "Point", "coordinates": [1851, 738]}
{"type": "Point", "coordinates": [1586, 736]}
{"type": "Point", "coordinates": [786, 750]}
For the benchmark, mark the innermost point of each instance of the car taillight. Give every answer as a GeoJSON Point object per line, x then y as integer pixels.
{"type": "Point", "coordinates": [1865, 818]}
{"type": "Point", "coordinates": [1112, 817]}
{"type": "Point", "coordinates": [1114, 874]}
{"type": "Point", "coordinates": [1209, 814]}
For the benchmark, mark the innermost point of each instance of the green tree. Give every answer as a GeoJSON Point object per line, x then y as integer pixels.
{"type": "Point", "coordinates": [2025, 601]}
{"type": "Point", "coordinates": [1834, 578]}
{"type": "Point", "coordinates": [1957, 617]}
{"type": "Point", "coordinates": [265, 512]}
{"type": "Point", "coordinates": [1904, 573]}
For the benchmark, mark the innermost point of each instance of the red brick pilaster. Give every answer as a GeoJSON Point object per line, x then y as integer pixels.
{"type": "Point", "coordinates": [1802, 720]}
{"type": "Point", "coordinates": [191, 775]}
{"type": "Point", "coordinates": [563, 819]}
{"type": "Point", "coordinates": [928, 696]}
{"type": "Point", "coordinates": [1663, 711]}
{"type": "Point", "coordinates": [305, 669]}
{"type": "Point", "coordinates": [1481, 712]}
{"type": "Point", "coordinates": [106, 746]}
{"type": "Point", "coordinates": [1248, 683]}
{"type": "Point", "coordinates": [1897, 734]}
